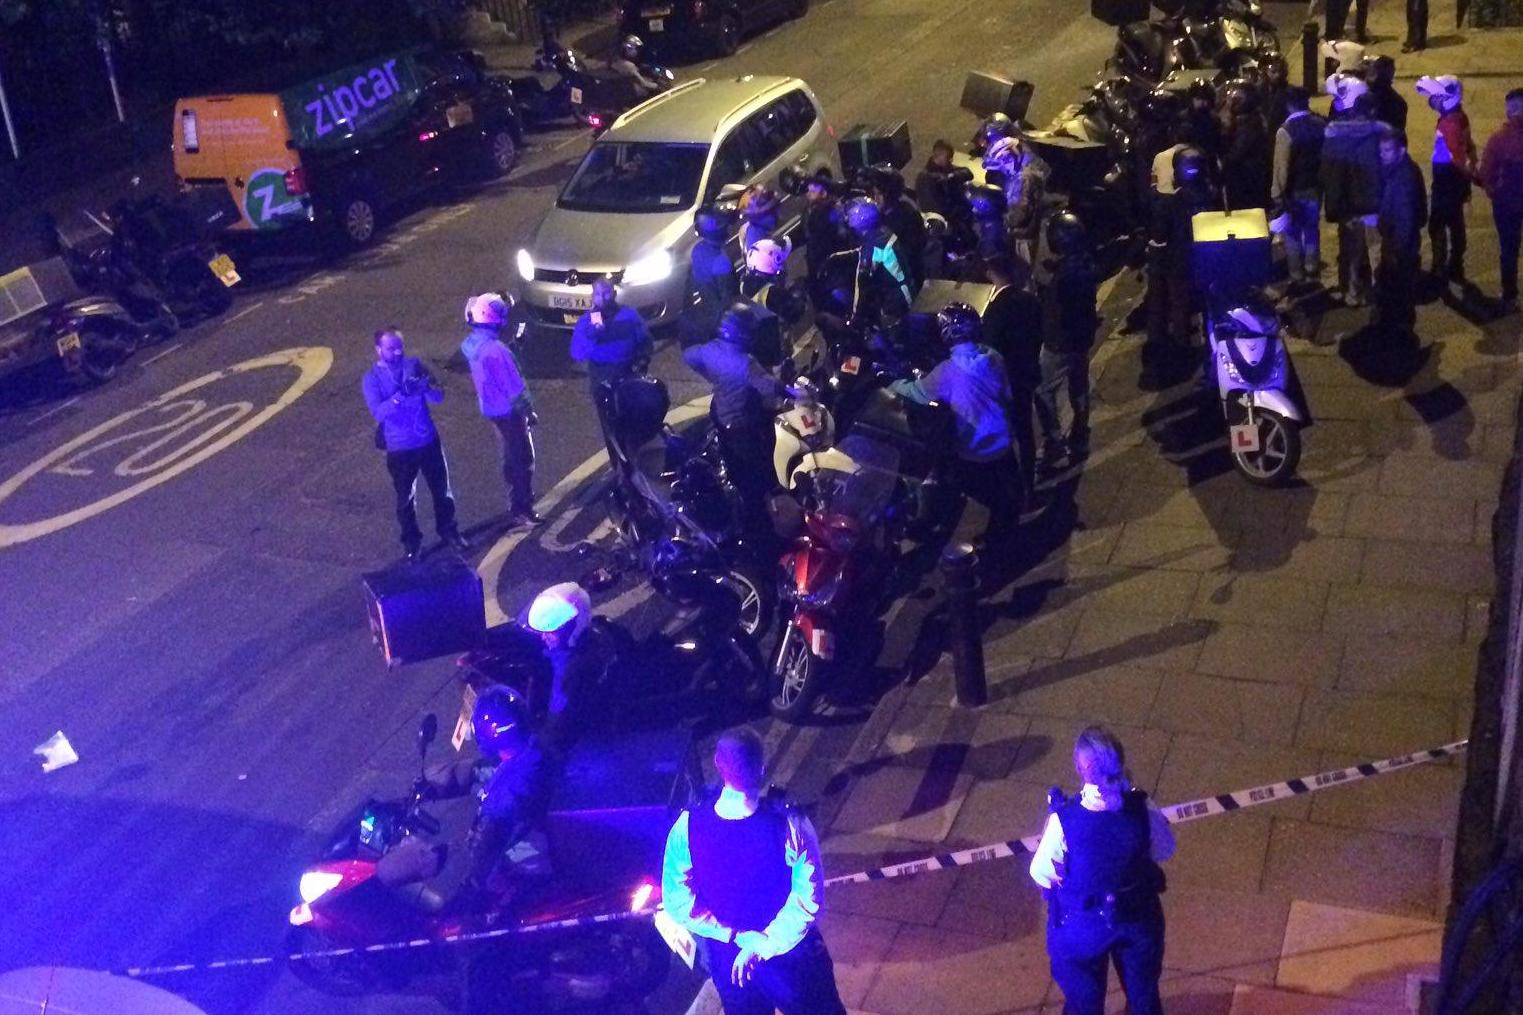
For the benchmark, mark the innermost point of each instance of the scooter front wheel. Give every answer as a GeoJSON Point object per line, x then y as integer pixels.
{"type": "Point", "coordinates": [341, 975]}
{"type": "Point", "coordinates": [1278, 454]}
{"type": "Point", "coordinates": [798, 677]}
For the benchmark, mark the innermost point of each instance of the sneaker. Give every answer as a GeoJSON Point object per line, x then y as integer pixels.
{"type": "Point", "coordinates": [1337, 296]}
{"type": "Point", "coordinates": [524, 519]}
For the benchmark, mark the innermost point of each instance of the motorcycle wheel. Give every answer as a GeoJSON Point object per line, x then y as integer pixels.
{"type": "Point", "coordinates": [342, 976]}
{"type": "Point", "coordinates": [103, 351]}
{"type": "Point", "coordinates": [1274, 464]}
{"type": "Point", "coordinates": [755, 597]}
{"type": "Point", "coordinates": [214, 297]}
{"type": "Point", "coordinates": [640, 960]}
{"type": "Point", "coordinates": [798, 676]}
{"type": "Point", "coordinates": [729, 35]}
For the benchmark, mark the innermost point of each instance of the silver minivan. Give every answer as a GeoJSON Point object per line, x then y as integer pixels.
{"type": "Point", "coordinates": [627, 211]}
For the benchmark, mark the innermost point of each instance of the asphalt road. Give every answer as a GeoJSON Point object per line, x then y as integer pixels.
{"type": "Point", "coordinates": [180, 550]}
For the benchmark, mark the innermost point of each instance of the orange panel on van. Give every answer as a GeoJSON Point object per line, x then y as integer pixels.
{"type": "Point", "coordinates": [240, 142]}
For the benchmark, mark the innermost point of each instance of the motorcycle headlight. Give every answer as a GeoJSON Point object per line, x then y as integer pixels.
{"type": "Point", "coordinates": [651, 268]}
{"type": "Point", "coordinates": [525, 266]}
{"type": "Point", "coordinates": [315, 884]}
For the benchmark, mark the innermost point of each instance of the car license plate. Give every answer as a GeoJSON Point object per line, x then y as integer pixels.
{"type": "Point", "coordinates": [576, 96]}
{"type": "Point", "coordinates": [657, 24]}
{"type": "Point", "coordinates": [573, 301]}
{"type": "Point", "coordinates": [68, 345]}
{"type": "Point", "coordinates": [222, 266]}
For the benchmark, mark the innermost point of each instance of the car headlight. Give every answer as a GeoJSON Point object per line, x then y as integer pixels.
{"type": "Point", "coordinates": [650, 268]}
{"type": "Point", "coordinates": [315, 884]}
{"type": "Point", "coordinates": [526, 266]}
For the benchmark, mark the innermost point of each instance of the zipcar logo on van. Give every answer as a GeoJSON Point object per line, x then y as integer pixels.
{"type": "Point", "coordinates": [345, 101]}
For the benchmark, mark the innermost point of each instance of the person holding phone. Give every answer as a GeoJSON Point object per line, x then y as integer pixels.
{"type": "Point", "coordinates": [611, 339]}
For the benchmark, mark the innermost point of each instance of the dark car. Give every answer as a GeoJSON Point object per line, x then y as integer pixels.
{"type": "Point", "coordinates": [669, 27]}
{"type": "Point", "coordinates": [338, 151]}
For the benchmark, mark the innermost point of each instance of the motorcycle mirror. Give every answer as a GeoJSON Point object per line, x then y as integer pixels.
{"type": "Point", "coordinates": [428, 729]}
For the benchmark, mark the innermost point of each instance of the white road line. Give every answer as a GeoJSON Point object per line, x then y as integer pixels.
{"type": "Point", "coordinates": [56, 409]}
{"type": "Point", "coordinates": [570, 140]}
{"type": "Point", "coordinates": [244, 312]}
{"type": "Point", "coordinates": [160, 355]}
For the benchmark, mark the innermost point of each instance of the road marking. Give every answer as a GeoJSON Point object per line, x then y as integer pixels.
{"type": "Point", "coordinates": [55, 410]}
{"type": "Point", "coordinates": [311, 362]}
{"type": "Point", "coordinates": [160, 355]}
{"type": "Point", "coordinates": [490, 568]}
{"type": "Point", "coordinates": [244, 312]}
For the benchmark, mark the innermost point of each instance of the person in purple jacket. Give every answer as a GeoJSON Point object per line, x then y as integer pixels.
{"type": "Point", "coordinates": [398, 389]}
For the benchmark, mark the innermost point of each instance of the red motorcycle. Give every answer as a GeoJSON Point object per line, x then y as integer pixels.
{"type": "Point", "coordinates": [368, 889]}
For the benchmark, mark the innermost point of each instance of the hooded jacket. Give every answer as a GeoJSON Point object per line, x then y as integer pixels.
{"type": "Point", "coordinates": [1350, 170]}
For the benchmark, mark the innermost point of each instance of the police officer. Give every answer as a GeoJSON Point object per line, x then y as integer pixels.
{"type": "Point", "coordinates": [1097, 864]}
{"type": "Point", "coordinates": [742, 873]}
{"type": "Point", "coordinates": [711, 274]}
{"type": "Point", "coordinates": [973, 384]}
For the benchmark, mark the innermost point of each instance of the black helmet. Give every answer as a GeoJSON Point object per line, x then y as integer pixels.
{"type": "Point", "coordinates": [862, 216]}
{"type": "Point", "coordinates": [1162, 104]}
{"type": "Point", "coordinates": [712, 222]}
{"type": "Point", "coordinates": [498, 718]}
{"type": "Point", "coordinates": [1065, 234]}
{"type": "Point", "coordinates": [1200, 88]}
{"type": "Point", "coordinates": [986, 200]}
{"type": "Point", "coordinates": [631, 46]}
{"type": "Point", "coordinates": [958, 323]}
{"type": "Point", "coordinates": [1189, 164]}
{"type": "Point", "coordinates": [885, 179]}
{"type": "Point", "coordinates": [738, 325]}
{"type": "Point", "coordinates": [996, 125]}
{"type": "Point", "coordinates": [678, 571]}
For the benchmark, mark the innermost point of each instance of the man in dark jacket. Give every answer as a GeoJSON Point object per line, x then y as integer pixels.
{"type": "Point", "coordinates": [1403, 213]}
{"type": "Point", "coordinates": [1501, 175]}
{"type": "Point", "coordinates": [1013, 328]}
{"type": "Point", "coordinates": [1069, 321]}
{"type": "Point", "coordinates": [1247, 152]}
{"type": "Point", "coordinates": [1350, 178]}
{"type": "Point", "coordinates": [711, 275]}
{"type": "Point", "coordinates": [611, 339]}
{"type": "Point", "coordinates": [1296, 191]}
{"type": "Point", "coordinates": [1390, 107]}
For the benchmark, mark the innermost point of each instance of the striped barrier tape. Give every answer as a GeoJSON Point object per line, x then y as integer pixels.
{"type": "Point", "coordinates": [1192, 810]}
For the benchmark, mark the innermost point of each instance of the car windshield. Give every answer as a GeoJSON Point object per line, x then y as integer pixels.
{"type": "Point", "coordinates": [636, 177]}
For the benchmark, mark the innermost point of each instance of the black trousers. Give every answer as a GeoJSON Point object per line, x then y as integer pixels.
{"type": "Point", "coordinates": [996, 484]}
{"type": "Point", "coordinates": [1396, 292]}
{"type": "Point", "coordinates": [517, 445]}
{"type": "Point", "coordinates": [798, 982]}
{"type": "Point", "coordinates": [747, 450]}
{"type": "Point", "coordinates": [404, 467]}
{"type": "Point", "coordinates": [1337, 18]}
{"type": "Point", "coordinates": [1446, 221]}
{"type": "Point", "coordinates": [1417, 24]}
{"type": "Point", "coordinates": [1509, 234]}
{"type": "Point", "coordinates": [1082, 948]}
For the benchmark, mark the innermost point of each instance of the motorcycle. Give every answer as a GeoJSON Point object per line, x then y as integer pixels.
{"type": "Point", "coordinates": [367, 889]}
{"type": "Point", "coordinates": [665, 487]}
{"type": "Point", "coordinates": [540, 103]}
{"type": "Point", "coordinates": [48, 322]}
{"type": "Point", "coordinates": [1249, 362]}
{"type": "Point", "coordinates": [598, 99]}
{"type": "Point", "coordinates": [1230, 36]}
{"type": "Point", "coordinates": [159, 256]}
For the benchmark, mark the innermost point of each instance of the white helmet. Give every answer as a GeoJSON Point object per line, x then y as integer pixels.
{"type": "Point", "coordinates": [1444, 92]}
{"type": "Point", "coordinates": [768, 256]}
{"type": "Point", "coordinates": [488, 309]}
{"type": "Point", "coordinates": [1345, 89]}
{"type": "Point", "coordinates": [565, 607]}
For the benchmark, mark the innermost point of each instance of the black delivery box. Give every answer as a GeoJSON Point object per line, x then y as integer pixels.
{"type": "Point", "coordinates": [422, 611]}
{"type": "Point", "coordinates": [869, 144]}
{"type": "Point", "coordinates": [985, 94]}
{"type": "Point", "coordinates": [1118, 12]}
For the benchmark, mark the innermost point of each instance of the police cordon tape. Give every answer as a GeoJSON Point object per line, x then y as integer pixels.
{"type": "Point", "coordinates": [1191, 810]}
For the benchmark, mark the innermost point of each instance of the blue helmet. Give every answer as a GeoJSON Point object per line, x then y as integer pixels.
{"type": "Point", "coordinates": [862, 216]}
{"type": "Point", "coordinates": [498, 718]}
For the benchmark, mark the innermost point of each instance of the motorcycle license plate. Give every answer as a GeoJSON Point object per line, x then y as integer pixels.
{"type": "Point", "coordinates": [463, 731]}
{"type": "Point", "coordinates": [822, 643]}
{"type": "Point", "coordinates": [1245, 438]}
{"type": "Point", "coordinates": [677, 937]}
{"type": "Point", "coordinates": [68, 345]}
{"type": "Point", "coordinates": [222, 266]}
{"type": "Point", "coordinates": [576, 96]}
{"type": "Point", "coordinates": [851, 365]}
{"type": "Point", "coordinates": [657, 24]}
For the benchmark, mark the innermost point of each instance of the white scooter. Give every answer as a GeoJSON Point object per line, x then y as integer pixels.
{"type": "Point", "coordinates": [1249, 361]}
{"type": "Point", "coordinates": [802, 428]}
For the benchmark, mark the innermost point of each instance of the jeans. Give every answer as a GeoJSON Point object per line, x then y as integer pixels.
{"type": "Point", "coordinates": [517, 459]}
{"type": "Point", "coordinates": [1085, 944]}
{"type": "Point", "coordinates": [798, 982]}
{"type": "Point", "coordinates": [1023, 429]}
{"type": "Point", "coordinates": [1062, 370]}
{"type": "Point", "coordinates": [1509, 233]}
{"type": "Point", "coordinates": [1354, 272]}
{"type": "Point", "coordinates": [1417, 24]}
{"type": "Point", "coordinates": [1303, 240]}
{"type": "Point", "coordinates": [1446, 221]}
{"type": "Point", "coordinates": [404, 467]}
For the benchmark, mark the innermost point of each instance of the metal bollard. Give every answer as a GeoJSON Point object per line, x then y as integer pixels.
{"type": "Point", "coordinates": [959, 568]}
{"type": "Point", "coordinates": [1311, 80]}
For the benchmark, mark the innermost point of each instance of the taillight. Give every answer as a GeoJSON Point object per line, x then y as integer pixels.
{"type": "Point", "coordinates": [296, 181]}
